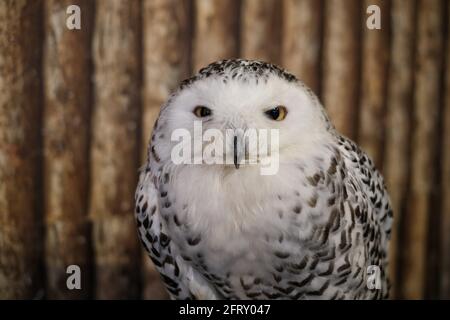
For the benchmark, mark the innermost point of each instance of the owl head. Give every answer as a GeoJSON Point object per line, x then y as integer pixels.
{"type": "Point", "coordinates": [236, 113]}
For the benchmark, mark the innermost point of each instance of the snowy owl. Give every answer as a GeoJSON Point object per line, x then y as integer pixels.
{"type": "Point", "coordinates": [317, 228]}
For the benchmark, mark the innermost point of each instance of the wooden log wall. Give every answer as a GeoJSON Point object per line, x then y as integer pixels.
{"type": "Point", "coordinates": [115, 146]}
{"type": "Point", "coordinates": [261, 30]}
{"type": "Point", "coordinates": [20, 121]}
{"type": "Point", "coordinates": [445, 190]}
{"type": "Point", "coordinates": [398, 121]}
{"type": "Point", "coordinates": [67, 104]}
{"type": "Point", "coordinates": [301, 32]}
{"type": "Point", "coordinates": [341, 63]}
{"type": "Point", "coordinates": [373, 91]}
{"type": "Point", "coordinates": [77, 109]}
{"type": "Point", "coordinates": [424, 174]}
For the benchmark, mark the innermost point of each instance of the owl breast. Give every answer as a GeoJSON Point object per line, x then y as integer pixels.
{"type": "Point", "coordinates": [270, 248]}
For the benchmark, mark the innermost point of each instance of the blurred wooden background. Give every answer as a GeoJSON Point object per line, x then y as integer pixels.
{"type": "Point", "coordinates": [77, 109]}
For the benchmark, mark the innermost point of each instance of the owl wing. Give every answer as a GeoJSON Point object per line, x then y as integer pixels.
{"type": "Point", "coordinates": [368, 195]}
{"type": "Point", "coordinates": [180, 279]}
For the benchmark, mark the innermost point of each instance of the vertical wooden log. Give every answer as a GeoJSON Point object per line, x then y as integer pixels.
{"type": "Point", "coordinates": [341, 64]}
{"type": "Point", "coordinates": [216, 31]}
{"type": "Point", "coordinates": [302, 36]}
{"type": "Point", "coordinates": [423, 183]}
{"type": "Point", "coordinates": [114, 161]}
{"type": "Point", "coordinates": [399, 108]}
{"type": "Point", "coordinates": [375, 53]}
{"type": "Point", "coordinates": [166, 61]}
{"type": "Point", "coordinates": [260, 32]}
{"type": "Point", "coordinates": [66, 142]}
{"type": "Point", "coordinates": [20, 104]}
{"type": "Point", "coordinates": [445, 192]}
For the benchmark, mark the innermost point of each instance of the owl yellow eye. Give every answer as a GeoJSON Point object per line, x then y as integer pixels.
{"type": "Point", "coordinates": [278, 113]}
{"type": "Point", "coordinates": [201, 111]}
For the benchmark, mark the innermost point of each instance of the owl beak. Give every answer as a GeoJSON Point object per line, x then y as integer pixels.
{"type": "Point", "coordinates": [235, 155]}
